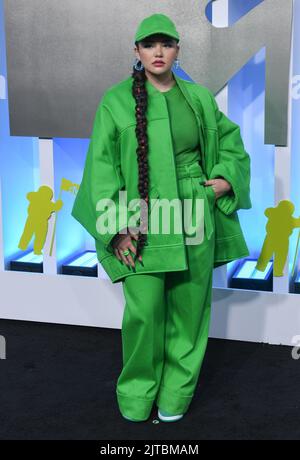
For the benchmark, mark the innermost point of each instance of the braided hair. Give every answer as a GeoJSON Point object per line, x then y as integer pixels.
{"type": "Point", "coordinates": [139, 92]}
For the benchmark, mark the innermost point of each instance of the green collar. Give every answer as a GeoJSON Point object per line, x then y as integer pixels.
{"type": "Point", "coordinates": [154, 92]}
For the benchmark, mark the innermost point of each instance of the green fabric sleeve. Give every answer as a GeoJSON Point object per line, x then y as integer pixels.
{"type": "Point", "coordinates": [102, 180]}
{"type": "Point", "coordinates": [233, 164]}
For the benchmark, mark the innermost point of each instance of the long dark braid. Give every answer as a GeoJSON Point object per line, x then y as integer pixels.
{"type": "Point", "coordinates": [140, 94]}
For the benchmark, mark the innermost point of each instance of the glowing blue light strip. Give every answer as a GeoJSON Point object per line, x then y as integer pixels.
{"type": "Point", "coordinates": [248, 271]}
{"type": "Point", "coordinates": [258, 275]}
{"type": "Point", "coordinates": [88, 259]}
{"type": "Point", "coordinates": [31, 257]}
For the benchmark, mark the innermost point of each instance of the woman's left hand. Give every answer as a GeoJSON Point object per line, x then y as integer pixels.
{"type": "Point", "coordinates": [219, 186]}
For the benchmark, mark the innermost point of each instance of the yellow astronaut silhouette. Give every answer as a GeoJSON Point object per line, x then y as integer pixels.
{"type": "Point", "coordinates": [280, 226]}
{"type": "Point", "coordinates": [39, 211]}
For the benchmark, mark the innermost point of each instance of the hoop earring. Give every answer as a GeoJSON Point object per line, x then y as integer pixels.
{"type": "Point", "coordinates": [176, 63]}
{"type": "Point", "coordinates": [136, 66]}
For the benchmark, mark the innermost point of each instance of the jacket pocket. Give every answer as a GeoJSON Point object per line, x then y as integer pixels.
{"type": "Point", "coordinates": [211, 193]}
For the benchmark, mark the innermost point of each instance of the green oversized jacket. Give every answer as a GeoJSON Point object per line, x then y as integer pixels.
{"type": "Point", "coordinates": [111, 166]}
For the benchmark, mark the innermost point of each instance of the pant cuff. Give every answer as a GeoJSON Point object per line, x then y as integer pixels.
{"type": "Point", "coordinates": [135, 408]}
{"type": "Point", "coordinates": [171, 402]}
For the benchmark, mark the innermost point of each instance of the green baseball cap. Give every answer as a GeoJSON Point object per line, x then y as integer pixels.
{"type": "Point", "coordinates": [156, 23]}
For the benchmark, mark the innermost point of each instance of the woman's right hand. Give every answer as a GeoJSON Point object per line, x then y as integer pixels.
{"type": "Point", "coordinates": [122, 242]}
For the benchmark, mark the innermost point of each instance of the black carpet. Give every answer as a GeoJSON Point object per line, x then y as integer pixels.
{"type": "Point", "coordinates": [58, 382]}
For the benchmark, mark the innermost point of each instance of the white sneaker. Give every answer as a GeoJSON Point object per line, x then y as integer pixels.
{"type": "Point", "coordinates": [165, 417]}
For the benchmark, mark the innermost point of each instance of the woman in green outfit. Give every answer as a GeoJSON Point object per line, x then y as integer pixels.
{"type": "Point", "coordinates": [168, 285]}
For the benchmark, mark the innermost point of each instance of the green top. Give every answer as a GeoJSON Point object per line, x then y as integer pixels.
{"type": "Point", "coordinates": [183, 126]}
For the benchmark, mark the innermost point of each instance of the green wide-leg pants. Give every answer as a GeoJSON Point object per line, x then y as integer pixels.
{"type": "Point", "coordinates": [165, 330]}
